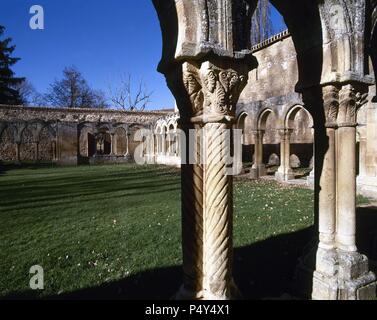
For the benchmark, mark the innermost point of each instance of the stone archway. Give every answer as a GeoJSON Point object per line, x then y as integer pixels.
{"type": "Point", "coordinates": [245, 123]}
{"type": "Point", "coordinates": [7, 143]}
{"type": "Point", "coordinates": [264, 141]}
{"type": "Point", "coordinates": [29, 144]}
{"type": "Point", "coordinates": [296, 141]}
{"type": "Point", "coordinates": [121, 142]}
{"type": "Point", "coordinates": [47, 144]}
{"type": "Point", "coordinates": [206, 60]}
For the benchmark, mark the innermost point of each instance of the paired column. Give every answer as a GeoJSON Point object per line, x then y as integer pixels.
{"type": "Point", "coordinates": [363, 151]}
{"type": "Point", "coordinates": [285, 171]}
{"type": "Point", "coordinates": [258, 169]}
{"type": "Point", "coordinates": [341, 272]}
{"type": "Point", "coordinates": [207, 196]}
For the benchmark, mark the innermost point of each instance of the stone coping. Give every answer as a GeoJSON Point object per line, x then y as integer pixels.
{"type": "Point", "coordinates": [266, 43]}
{"type": "Point", "coordinates": [84, 110]}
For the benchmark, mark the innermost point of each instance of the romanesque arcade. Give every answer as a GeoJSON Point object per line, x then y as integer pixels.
{"type": "Point", "coordinates": [208, 61]}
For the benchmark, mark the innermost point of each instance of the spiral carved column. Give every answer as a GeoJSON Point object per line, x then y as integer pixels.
{"type": "Point", "coordinates": [207, 201]}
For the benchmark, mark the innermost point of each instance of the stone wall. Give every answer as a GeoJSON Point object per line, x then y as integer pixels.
{"type": "Point", "coordinates": [269, 101]}
{"type": "Point", "coordinates": [61, 135]}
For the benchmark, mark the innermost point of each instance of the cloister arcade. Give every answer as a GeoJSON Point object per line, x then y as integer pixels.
{"type": "Point", "coordinates": [167, 141]}
{"type": "Point", "coordinates": [207, 60]}
{"type": "Point", "coordinates": [277, 142]}
{"type": "Point", "coordinates": [34, 141]}
{"type": "Point", "coordinates": [104, 142]}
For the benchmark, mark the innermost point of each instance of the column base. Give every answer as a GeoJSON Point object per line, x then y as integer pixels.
{"type": "Point", "coordinates": [183, 294]}
{"type": "Point", "coordinates": [258, 171]}
{"type": "Point", "coordinates": [311, 179]}
{"type": "Point", "coordinates": [284, 176]}
{"type": "Point", "coordinates": [343, 275]}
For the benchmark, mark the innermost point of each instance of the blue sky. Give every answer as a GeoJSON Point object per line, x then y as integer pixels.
{"type": "Point", "coordinates": [102, 38]}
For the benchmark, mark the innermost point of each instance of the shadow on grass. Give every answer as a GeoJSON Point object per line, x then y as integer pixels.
{"type": "Point", "coordinates": [262, 270]}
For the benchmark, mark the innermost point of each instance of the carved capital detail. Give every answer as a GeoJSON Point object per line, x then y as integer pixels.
{"type": "Point", "coordinates": [213, 91]}
{"type": "Point", "coordinates": [331, 105]}
{"type": "Point", "coordinates": [350, 100]}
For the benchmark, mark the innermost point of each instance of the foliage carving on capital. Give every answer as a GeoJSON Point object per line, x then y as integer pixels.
{"type": "Point", "coordinates": [213, 91]}
{"type": "Point", "coordinates": [331, 104]}
{"type": "Point", "coordinates": [222, 88]}
{"type": "Point", "coordinates": [191, 81]}
{"type": "Point", "coordinates": [350, 100]}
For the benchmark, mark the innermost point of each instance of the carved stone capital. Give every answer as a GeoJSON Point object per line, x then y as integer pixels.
{"type": "Point", "coordinates": [331, 105]}
{"type": "Point", "coordinates": [213, 90]}
{"type": "Point", "coordinates": [350, 100]}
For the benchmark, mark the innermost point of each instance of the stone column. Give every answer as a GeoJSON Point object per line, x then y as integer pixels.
{"type": "Point", "coordinates": [363, 151]}
{"type": "Point", "coordinates": [54, 151]}
{"type": "Point", "coordinates": [18, 153]}
{"type": "Point", "coordinates": [327, 182]}
{"type": "Point", "coordinates": [258, 169]}
{"type": "Point", "coordinates": [127, 155]}
{"type": "Point", "coordinates": [341, 272]}
{"type": "Point", "coordinates": [346, 173]}
{"type": "Point", "coordinates": [36, 151]}
{"type": "Point", "coordinates": [206, 62]}
{"type": "Point", "coordinates": [285, 171]}
{"type": "Point", "coordinates": [311, 177]}
{"type": "Point", "coordinates": [207, 205]}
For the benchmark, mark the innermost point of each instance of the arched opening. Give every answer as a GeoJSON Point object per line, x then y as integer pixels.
{"type": "Point", "coordinates": [28, 147]}
{"type": "Point", "coordinates": [245, 123]}
{"type": "Point", "coordinates": [7, 144]}
{"type": "Point", "coordinates": [103, 143]}
{"type": "Point", "coordinates": [120, 138]}
{"type": "Point", "coordinates": [87, 142]}
{"type": "Point", "coordinates": [268, 137]}
{"type": "Point", "coordinates": [47, 151]}
{"type": "Point", "coordinates": [300, 135]}
{"type": "Point", "coordinates": [171, 141]}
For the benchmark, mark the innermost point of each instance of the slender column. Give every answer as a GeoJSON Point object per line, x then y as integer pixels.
{"type": "Point", "coordinates": [311, 176]}
{"type": "Point", "coordinates": [341, 272]}
{"type": "Point", "coordinates": [127, 155]}
{"type": "Point", "coordinates": [327, 183]}
{"type": "Point", "coordinates": [36, 151]}
{"type": "Point", "coordinates": [18, 153]}
{"type": "Point", "coordinates": [363, 152]}
{"type": "Point", "coordinates": [54, 152]}
{"type": "Point", "coordinates": [325, 282]}
{"type": "Point", "coordinates": [285, 172]}
{"type": "Point", "coordinates": [207, 197]}
{"type": "Point", "coordinates": [258, 169]}
{"type": "Point", "coordinates": [192, 216]}
{"type": "Point", "coordinates": [346, 186]}
{"type": "Point", "coordinates": [112, 149]}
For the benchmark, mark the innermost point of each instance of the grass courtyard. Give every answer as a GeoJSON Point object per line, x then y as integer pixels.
{"type": "Point", "coordinates": [114, 232]}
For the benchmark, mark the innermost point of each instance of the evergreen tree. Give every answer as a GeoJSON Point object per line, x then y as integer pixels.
{"type": "Point", "coordinates": [8, 82]}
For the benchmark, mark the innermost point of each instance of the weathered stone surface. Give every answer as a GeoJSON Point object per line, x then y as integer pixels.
{"type": "Point", "coordinates": [67, 136]}
{"type": "Point", "coordinates": [294, 161]}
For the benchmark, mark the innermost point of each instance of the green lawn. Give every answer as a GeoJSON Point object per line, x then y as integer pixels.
{"type": "Point", "coordinates": [114, 232]}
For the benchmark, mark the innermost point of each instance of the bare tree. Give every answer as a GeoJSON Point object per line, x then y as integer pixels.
{"type": "Point", "coordinates": [124, 97]}
{"type": "Point", "coordinates": [73, 91]}
{"type": "Point", "coordinates": [29, 95]}
{"type": "Point", "coordinates": [261, 24]}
